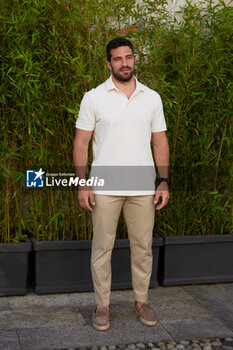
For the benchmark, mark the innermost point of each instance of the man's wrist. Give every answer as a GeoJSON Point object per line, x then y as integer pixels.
{"type": "Point", "coordinates": [83, 188]}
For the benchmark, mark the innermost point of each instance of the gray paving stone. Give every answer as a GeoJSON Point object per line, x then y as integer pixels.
{"type": "Point", "coordinates": [199, 327]}
{"type": "Point", "coordinates": [176, 303]}
{"type": "Point", "coordinates": [40, 317]}
{"type": "Point", "coordinates": [117, 296]}
{"type": "Point", "coordinates": [51, 337]}
{"type": "Point", "coordinates": [122, 311]}
{"type": "Point", "coordinates": [216, 299]}
{"type": "Point", "coordinates": [63, 321]}
{"type": "Point", "coordinates": [168, 293]}
{"type": "Point", "coordinates": [228, 287]}
{"type": "Point", "coordinates": [9, 340]}
{"type": "Point", "coordinates": [53, 300]}
{"type": "Point", "coordinates": [4, 305]}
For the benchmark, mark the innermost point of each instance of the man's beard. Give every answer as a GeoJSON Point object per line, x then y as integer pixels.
{"type": "Point", "coordinates": [122, 78]}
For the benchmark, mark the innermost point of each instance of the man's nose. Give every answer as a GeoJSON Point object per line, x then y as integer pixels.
{"type": "Point", "coordinates": [124, 62]}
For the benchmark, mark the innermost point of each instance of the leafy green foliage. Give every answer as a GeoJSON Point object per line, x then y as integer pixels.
{"type": "Point", "coordinates": [52, 52]}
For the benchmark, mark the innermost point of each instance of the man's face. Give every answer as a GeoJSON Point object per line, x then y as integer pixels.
{"type": "Point", "coordinates": [122, 63]}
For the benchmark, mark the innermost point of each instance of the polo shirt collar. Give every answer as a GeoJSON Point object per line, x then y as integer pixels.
{"type": "Point", "coordinates": [111, 86]}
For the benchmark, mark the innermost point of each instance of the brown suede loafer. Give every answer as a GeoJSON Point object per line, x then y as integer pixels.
{"type": "Point", "coordinates": [100, 319]}
{"type": "Point", "coordinates": [146, 314]}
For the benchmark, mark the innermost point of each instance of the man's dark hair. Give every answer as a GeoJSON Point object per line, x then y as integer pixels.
{"type": "Point", "coordinates": [115, 43]}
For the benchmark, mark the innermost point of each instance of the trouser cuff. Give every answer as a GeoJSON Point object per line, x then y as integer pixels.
{"type": "Point", "coordinates": [143, 298]}
{"type": "Point", "coordinates": [101, 301]}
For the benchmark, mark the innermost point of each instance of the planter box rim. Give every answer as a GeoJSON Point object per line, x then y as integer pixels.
{"type": "Point", "coordinates": [82, 244]}
{"type": "Point", "coordinates": [60, 245]}
{"type": "Point", "coordinates": [16, 247]}
{"type": "Point", "coordinates": [173, 240]}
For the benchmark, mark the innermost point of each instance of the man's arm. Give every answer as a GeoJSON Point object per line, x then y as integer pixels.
{"type": "Point", "coordinates": [80, 157]}
{"type": "Point", "coordinates": [161, 157]}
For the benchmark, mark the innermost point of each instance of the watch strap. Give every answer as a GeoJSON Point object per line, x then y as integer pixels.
{"type": "Point", "coordinates": [164, 179]}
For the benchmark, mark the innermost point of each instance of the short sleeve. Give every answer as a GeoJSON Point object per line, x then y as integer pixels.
{"type": "Point", "coordinates": [86, 116]}
{"type": "Point", "coordinates": [158, 123]}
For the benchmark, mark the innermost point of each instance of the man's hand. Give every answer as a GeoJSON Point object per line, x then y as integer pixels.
{"type": "Point", "coordinates": [84, 195]}
{"type": "Point", "coordinates": [163, 192]}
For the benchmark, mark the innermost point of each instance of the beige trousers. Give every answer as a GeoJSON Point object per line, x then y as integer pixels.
{"type": "Point", "coordinates": [138, 214]}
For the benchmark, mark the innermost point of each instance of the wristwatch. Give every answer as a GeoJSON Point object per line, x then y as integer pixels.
{"type": "Point", "coordinates": [164, 179]}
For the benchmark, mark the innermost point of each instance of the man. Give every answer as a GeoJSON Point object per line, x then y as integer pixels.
{"type": "Point", "coordinates": [122, 115]}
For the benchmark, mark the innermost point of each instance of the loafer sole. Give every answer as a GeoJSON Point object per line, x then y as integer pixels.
{"type": "Point", "coordinates": [101, 328]}
{"type": "Point", "coordinates": [145, 322]}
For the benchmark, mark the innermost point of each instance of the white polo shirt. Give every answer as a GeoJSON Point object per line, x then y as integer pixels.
{"type": "Point", "coordinates": [121, 126]}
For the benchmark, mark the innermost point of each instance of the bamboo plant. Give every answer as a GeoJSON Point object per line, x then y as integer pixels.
{"type": "Point", "coordinates": [52, 52]}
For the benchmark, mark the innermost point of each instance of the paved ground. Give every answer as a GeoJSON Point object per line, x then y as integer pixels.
{"type": "Point", "coordinates": [63, 321]}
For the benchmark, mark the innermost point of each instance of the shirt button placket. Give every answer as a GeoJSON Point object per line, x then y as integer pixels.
{"type": "Point", "coordinates": [127, 105]}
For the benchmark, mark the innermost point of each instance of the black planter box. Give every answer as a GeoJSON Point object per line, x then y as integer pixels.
{"type": "Point", "coordinates": [196, 259]}
{"type": "Point", "coordinates": [64, 266]}
{"type": "Point", "coordinates": [14, 267]}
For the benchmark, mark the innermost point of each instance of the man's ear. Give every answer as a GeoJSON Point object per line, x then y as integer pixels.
{"type": "Point", "coordinates": [109, 66]}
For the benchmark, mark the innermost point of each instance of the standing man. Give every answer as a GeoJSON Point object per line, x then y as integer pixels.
{"type": "Point", "coordinates": [123, 116]}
